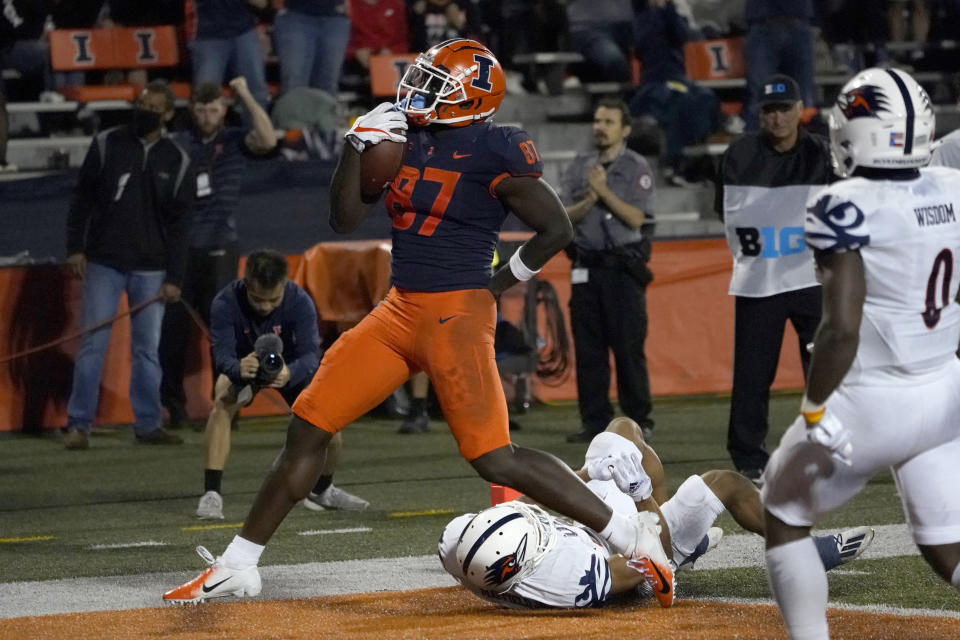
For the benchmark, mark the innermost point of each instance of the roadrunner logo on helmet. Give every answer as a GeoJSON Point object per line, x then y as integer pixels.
{"type": "Point", "coordinates": [501, 545]}
{"type": "Point", "coordinates": [882, 119]}
{"type": "Point", "coordinates": [456, 82]}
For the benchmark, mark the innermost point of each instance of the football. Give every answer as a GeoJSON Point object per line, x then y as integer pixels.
{"type": "Point", "coordinates": [379, 164]}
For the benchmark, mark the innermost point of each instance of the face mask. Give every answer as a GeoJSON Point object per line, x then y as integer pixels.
{"type": "Point", "coordinates": [145, 121]}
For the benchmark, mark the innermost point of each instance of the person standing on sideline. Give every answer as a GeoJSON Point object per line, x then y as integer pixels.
{"type": "Point", "coordinates": [310, 38]}
{"type": "Point", "coordinates": [884, 384]}
{"type": "Point", "coordinates": [462, 174]}
{"type": "Point", "coordinates": [763, 183]}
{"type": "Point", "coordinates": [127, 231]}
{"type": "Point", "coordinates": [608, 193]}
{"type": "Point", "coordinates": [263, 303]}
{"type": "Point", "coordinates": [219, 155]}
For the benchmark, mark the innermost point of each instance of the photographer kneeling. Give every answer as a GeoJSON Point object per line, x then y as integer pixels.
{"type": "Point", "coordinates": [263, 332]}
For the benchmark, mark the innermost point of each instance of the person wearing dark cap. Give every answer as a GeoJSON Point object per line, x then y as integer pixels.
{"type": "Point", "coordinates": [762, 187]}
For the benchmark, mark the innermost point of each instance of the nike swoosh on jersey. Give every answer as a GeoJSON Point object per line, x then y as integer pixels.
{"type": "Point", "coordinates": [208, 589]}
{"type": "Point", "coordinates": [458, 156]}
{"type": "Point", "coordinates": [443, 320]}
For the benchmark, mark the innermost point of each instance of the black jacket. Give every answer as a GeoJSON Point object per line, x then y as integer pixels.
{"type": "Point", "coordinates": [751, 161]}
{"type": "Point", "coordinates": [131, 206]}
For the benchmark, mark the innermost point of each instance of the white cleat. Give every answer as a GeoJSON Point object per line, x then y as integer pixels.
{"type": "Point", "coordinates": [711, 540]}
{"type": "Point", "coordinates": [334, 498]}
{"type": "Point", "coordinates": [210, 507]}
{"type": "Point", "coordinates": [216, 582]}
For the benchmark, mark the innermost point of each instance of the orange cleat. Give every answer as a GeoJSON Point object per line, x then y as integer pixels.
{"type": "Point", "coordinates": [216, 582]}
{"type": "Point", "coordinates": [649, 558]}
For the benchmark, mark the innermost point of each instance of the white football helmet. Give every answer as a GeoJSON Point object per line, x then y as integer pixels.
{"type": "Point", "coordinates": [882, 119]}
{"type": "Point", "coordinates": [503, 544]}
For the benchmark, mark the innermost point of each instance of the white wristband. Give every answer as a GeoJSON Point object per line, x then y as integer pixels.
{"type": "Point", "coordinates": [519, 270]}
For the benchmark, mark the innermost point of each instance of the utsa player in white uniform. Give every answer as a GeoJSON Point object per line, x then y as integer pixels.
{"type": "Point", "coordinates": [516, 555]}
{"type": "Point", "coordinates": [884, 384]}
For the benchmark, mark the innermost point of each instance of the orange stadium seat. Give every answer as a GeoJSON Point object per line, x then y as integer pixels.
{"type": "Point", "coordinates": [115, 48]}
{"type": "Point", "coordinates": [386, 71]}
{"type": "Point", "coordinates": [715, 59]}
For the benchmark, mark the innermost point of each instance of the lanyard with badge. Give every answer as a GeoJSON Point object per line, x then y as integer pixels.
{"type": "Point", "coordinates": [205, 174]}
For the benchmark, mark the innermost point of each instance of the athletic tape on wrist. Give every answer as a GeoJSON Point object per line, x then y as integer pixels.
{"type": "Point", "coordinates": [811, 411]}
{"type": "Point", "coordinates": [519, 270]}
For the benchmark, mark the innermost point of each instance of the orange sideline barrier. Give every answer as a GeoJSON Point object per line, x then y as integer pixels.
{"type": "Point", "coordinates": [689, 347]}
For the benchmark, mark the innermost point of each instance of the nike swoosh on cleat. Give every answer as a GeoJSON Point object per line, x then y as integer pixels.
{"type": "Point", "coordinates": [207, 589]}
{"type": "Point", "coordinates": [663, 580]}
{"type": "Point", "coordinates": [458, 156]}
{"type": "Point", "coordinates": [443, 320]}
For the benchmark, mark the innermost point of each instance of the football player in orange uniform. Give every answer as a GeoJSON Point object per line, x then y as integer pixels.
{"type": "Point", "coordinates": [461, 175]}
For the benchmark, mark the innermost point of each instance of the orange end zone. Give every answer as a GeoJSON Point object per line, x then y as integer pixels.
{"type": "Point", "coordinates": [452, 612]}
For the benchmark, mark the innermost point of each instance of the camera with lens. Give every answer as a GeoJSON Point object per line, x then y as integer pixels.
{"type": "Point", "coordinates": [269, 350]}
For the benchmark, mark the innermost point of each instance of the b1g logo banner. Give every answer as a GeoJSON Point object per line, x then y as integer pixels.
{"type": "Point", "coordinates": [770, 242]}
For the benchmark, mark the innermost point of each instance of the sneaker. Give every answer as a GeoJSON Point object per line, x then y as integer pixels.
{"type": "Point", "coordinates": [844, 546]}
{"type": "Point", "coordinates": [216, 582]}
{"type": "Point", "coordinates": [75, 440]}
{"type": "Point", "coordinates": [210, 507]}
{"type": "Point", "coordinates": [160, 436]}
{"type": "Point", "coordinates": [647, 433]}
{"type": "Point", "coordinates": [709, 541]}
{"type": "Point", "coordinates": [334, 498]}
{"type": "Point", "coordinates": [8, 167]}
{"type": "Point", "coordinates": [648, 557]}
{"type": "Point", "coordinates": [415, 424]}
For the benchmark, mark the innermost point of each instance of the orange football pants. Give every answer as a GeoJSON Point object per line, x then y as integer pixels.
{"type": "Point", "coordinates": [449, 335]}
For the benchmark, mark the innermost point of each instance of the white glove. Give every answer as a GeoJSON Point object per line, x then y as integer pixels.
{"type": "Point", "coordinates": [829, 433]}
{"type": "Point", "coordinates": [627, 471]}
{"type": "Point", "coordinates": [376, 126]}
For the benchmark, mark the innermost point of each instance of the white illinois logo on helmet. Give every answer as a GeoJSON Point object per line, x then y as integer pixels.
{"type": "Point", "coordinates": [882, 119]}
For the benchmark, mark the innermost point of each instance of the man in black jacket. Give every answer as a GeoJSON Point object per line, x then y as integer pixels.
{"type": "Point", "coordinates": [764, 182]}
{"type": "Point", "coordinates": [127, 231]}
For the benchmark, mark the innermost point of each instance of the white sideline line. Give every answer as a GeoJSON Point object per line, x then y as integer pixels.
{"type": "Point", "coordinates": [75, 595]}
{"type": "Point", "coordinates": [127, 545]}
{"type": "Point", "coordinates": [320, 532]}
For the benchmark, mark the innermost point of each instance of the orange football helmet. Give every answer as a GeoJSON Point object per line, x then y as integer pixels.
{"type": "Point", "coordinates": [456, 82]}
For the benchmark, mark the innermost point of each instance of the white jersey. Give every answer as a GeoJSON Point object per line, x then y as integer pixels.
{"type": "Point", "coordinates": [764, 229]}
{"type": "Point", "coordinates": [908, 234]}
{"type": "Point", "coordinates": [946, 151]}
{"type": "Point", "coordinates": [573, 574]}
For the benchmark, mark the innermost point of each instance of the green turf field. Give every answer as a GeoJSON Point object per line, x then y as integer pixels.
{"type": "Point", "coordinates": [55, 504]}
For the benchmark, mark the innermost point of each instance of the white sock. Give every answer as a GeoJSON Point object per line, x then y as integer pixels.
{"type": "Point", "coordinates": [799, 584]}
{"type": "Point", "coordinates": [242, 554]}
{"type": "Point", "coordinates": [955, 579]}
{"type": "Point", "coordinates": [619, 533]}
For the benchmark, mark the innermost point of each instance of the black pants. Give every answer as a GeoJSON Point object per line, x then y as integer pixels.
{"type": "Point", "coordinates": [609, 313]}
{"type": "Point", "coordinates": [758, 335]}
{"type": "Point", "coordinates": [208, 271]}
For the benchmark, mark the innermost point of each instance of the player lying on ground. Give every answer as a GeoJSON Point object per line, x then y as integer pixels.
{"type": "Point", "coordinates": [518, 556]}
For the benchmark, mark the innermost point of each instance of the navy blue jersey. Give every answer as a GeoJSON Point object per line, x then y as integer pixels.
{"type": "Point", "coordinates": [446, 216]}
